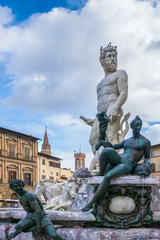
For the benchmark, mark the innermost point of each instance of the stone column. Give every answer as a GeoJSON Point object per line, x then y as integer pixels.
{"type": "Point", "coordinates": [4, 180]}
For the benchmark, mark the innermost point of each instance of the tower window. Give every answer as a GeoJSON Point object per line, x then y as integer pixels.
{"type": "Point", "coordinates": [77, 162]}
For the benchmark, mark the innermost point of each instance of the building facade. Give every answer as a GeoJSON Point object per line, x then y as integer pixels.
{"type": "Point", "coordinates": [18, 160]}
{"type": "Point", "coordinates": [155, 161]}
{"type": "Point", "coordinates": [49, 167]}
{"type": "Point", "coordinates": [155, 158]}
{"type": "Point", "coordinates": [65, 174]}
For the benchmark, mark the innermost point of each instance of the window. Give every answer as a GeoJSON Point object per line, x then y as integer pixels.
{"type": "Point", "coordinates": [51, 178]}
{"type": "Point", "coordinates": [12, 175]}
{"type": "Point", "coordinates": [152, 167]}
{"type": "Point", "coordinates": [57, 165]}
{"type": "Point", "coordinates": [27, 179]}
{"type": "Point", "coordinates": [152, 153]}
{"type": "Point", "coordinates": [43, 162]}
{"type": "Point", "coordinates": [77, 162]}
{"type": "Point", "coordinates": [82, 162]}
{"type": "Point", "coordinates": [43, 176]}
{"type": "Point", "coordinates": [50, 163]}
{"type": "Point", "coordinates": [27, 153]}
{"type": "Point", "coordinates": [43, 171]}
{"type": "Point", "coordinates": [51, 173]}
{"type": "Point", "coordinates": [54, 164]}
{"type": "Point", "coordinates": [11, 150]}
{"type": "Point", "coordinates": [56, 173]}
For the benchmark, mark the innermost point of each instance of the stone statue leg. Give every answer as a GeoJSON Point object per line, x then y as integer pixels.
{"type": "Point", "coordinates": [113, 128]}
{"type": "Point", "coordinates": [94, 135]}
{"type": "Point", "coordinates": [116, 171]}
{"type": "Point", "coordinates": [112, 131]}
{"type": "Point", "coordinates": [52, 232]}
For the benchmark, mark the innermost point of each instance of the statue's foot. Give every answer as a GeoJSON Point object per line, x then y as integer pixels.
{"type": "Point", "coordinates": [56, 236]}
{"type": "Point", "coordinates": [86, 209]}
{"type": "Point", "coordinates": [12, 235]}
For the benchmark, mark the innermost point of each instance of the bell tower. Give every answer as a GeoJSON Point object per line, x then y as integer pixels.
{"type": "Point", "coordinates": [79, 160]}
{"type": "Point", "coordinates": [46, 147]}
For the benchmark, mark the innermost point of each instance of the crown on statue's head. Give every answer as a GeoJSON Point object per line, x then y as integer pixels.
{"type": "Point", "coordinates": [108, 48]}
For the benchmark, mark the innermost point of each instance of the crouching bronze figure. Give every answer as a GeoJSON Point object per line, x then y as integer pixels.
{"type": "Point", "coordinates": [36, 220]}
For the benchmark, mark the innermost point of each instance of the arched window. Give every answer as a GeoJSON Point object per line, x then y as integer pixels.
{"type": "Point", "coordinates": [77, 162]}
{"type": "Point", "coordinates": [12, 175]}
{"type": "Point", "coordinates": [14, 196]}
{"type": "Point", "coordinates": [152, 167]}
{"type": "Point", "coordinates": [28, 179]}
{"type": "Point", "coordinates": [82, 162]}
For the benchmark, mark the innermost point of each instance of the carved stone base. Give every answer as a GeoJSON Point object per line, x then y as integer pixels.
{"type": "Point", "coordinates": [126, 203]}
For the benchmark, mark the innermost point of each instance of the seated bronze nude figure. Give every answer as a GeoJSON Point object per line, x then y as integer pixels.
{"type": "Point", "coordinates": [114, 165]}
{"type": "Point", "coordinates": [36, 220]}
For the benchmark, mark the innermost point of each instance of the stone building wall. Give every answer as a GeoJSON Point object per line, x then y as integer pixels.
{"type": "Point", "coordinates": [13, 159]}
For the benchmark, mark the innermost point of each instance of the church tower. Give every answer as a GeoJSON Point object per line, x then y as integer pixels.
{"type": "Point", "coordinates": [79, 160]}
{"type": "Point", "coordinates": [46, 147]}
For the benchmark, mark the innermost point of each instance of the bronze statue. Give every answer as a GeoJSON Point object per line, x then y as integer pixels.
{"type": "Point", "coordinates": [114, 165]}
{"type": "Point", "coordinates": [36, 220]}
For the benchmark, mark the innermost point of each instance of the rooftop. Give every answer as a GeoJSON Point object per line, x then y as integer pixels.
{"type": "Point", "coordinates": [18, 133]}
{"type": "Point", "coordinates": [48, 156]}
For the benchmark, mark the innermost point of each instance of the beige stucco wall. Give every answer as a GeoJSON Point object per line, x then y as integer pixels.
{"type": "Point", "coordinates": [156, 159]}
{"type": "Point", "coordinates": [46, 170]}
{"type": "Point", "coordinates": [17, 163]}
{"type": "Point", "coordinates": [66, 172]}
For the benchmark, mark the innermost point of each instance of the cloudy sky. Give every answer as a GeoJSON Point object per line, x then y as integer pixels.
{"type": "Point", "coordinates": [49, 66]}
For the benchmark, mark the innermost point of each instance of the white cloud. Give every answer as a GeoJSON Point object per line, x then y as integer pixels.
{"type": "Point", "coordinates": [54, 56]}
{"type": "Point", "coordinates": [64, 120]}
{"type": "Point", "coordinates": [53, 59]}
{"type": "Point", "coordinates": [6, 16]}
{"type": "Point", "coordinates": [153, 133]}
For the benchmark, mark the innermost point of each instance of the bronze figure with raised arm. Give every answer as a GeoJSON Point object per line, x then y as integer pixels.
{"type": "Point", "coordinates": [114, 165]}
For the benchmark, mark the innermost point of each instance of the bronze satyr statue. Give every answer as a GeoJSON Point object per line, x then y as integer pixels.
{"type": "Point", "coordinates": [114, 165]}
{"type": "Point", "coordinates": [36, 220]}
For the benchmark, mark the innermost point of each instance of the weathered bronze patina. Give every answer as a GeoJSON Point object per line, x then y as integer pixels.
{"type": "Point", "coordinates": [139, 216]}
{"type": "Point", "coordinates": [114, 165]}
{"type": "Point", "coordinates": [36, 220]}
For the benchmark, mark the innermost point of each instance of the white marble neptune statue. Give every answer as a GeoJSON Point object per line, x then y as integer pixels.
{"type": "Point", "coordinates": [112, 93]}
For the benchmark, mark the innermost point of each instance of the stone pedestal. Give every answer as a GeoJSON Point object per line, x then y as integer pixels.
{"type": "Point", "coordinates": [126, 202]}
{"type": "Point", "coordinates": [77, 226]}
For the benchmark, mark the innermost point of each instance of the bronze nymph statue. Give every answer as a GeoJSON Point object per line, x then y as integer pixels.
{"type": "Point", "coordinates": [36, 220]}
{"type": "Point", "coordinates": [114, 165]}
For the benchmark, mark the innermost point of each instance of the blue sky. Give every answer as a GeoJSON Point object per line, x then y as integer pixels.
{"type": "Point", "coordinates": [49, 66]}
{"type": "Point", "coordinates": [23, 9]}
